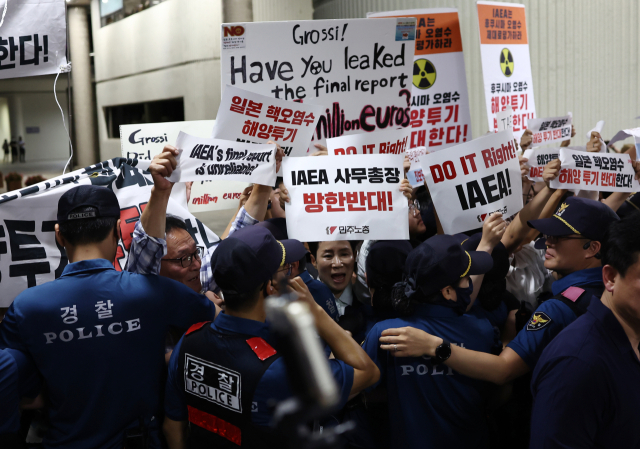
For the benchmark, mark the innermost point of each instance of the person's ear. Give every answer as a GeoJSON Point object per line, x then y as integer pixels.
{"type": "Point", "coordinates": [59, 238]}
{"type": "Point", "coordinates": [449, 293]}
{"type": "Point", "coordinates": [593, 249]}
{"type": "Point", "coordinates": [609, 275]}
{"type": "Point", "coordinates": [313, 261]}
{"type": "Point", "coordinates": [270, 289]}
{"type": "Point", "coordinates": [118, 230]}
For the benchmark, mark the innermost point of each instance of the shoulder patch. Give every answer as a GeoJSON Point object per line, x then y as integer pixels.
{"type": "Point", "coordinates": [538, 321]}
{"type": "Point", "coordinates": [573, 293]}
{"type": "Point", "coordinates": [261, 348]}
{"type": "Point", "coordinates": [195, 327]}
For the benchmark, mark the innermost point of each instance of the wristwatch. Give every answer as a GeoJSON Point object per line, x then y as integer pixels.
{"type": "Point", "coordinates": [443, 352]}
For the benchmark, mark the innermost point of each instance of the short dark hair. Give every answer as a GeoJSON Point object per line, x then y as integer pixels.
{"type": "Point", "coordinates": [313, 247]}
{"type": "Point", "coordinates": [302, 263]}
{"type": "Point", "coordinates": [87, 230]}
{"type": "Point", "coordinates": [174, 222]}
{"type": "Point", "coordinates": [621, 247]}
{"type": "Point", "coordinates": [240, 302]}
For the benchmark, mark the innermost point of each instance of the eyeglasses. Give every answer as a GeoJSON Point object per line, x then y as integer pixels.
{"type": "Point", "coordinates": [288, 267]}
{"type": "Point", "coordinates": [414, 207]}
{"type": "Point", "coordinates": [187, 260]}
{"type": "Point", "coordinates": [554, 239]}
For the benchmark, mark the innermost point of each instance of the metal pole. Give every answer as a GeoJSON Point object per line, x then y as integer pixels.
{"type": "Point", "coordinates": [69, 102]}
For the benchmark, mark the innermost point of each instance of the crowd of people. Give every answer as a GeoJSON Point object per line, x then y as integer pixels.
{"type": "Point", "coordinates": [522, 333]}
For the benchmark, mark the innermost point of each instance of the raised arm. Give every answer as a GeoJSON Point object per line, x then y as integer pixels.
{"type": "Point", "coordinates": [155, 213]}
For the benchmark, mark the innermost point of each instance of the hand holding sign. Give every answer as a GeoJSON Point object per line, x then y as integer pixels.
{"type": "Point", "coordinates": [551, 171]}
{"type": "Point", "coordinates": [594, 145]}
{"type": "Point", "coordinates": [162, 166]}
{"type": "Point", "coordinates": [526, 140]}
{"type": "Point", "coordinates": [492, 231]}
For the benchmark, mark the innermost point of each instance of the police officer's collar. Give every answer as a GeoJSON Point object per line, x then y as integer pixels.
{"type": "Point", "coordinates": [611, 325]}
{"type": "Point", "coordinates": [87, 265]}
{"type": "Point", "coordinates": [237, 325]}
{"type": "Point", "coordinates": [424, 310]}
{"type": "Point", "coordinates": [589, 276]}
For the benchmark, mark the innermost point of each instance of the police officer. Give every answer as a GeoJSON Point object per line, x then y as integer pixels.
{"type": "Point", "coordinates": [97, 334]}
{"type": "Point", "coordinates": [223, 376]}
{"type": "Point", "coordinates": [429, 404]}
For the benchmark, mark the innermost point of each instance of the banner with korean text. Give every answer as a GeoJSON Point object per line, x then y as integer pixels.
{"type": "Point", "coordinates": [550, 130]}
{"type": "Point", "coordinates": [506, 65]}
{"type": "Point", "coordinates": [346, 198]}
{"type": "Point", "coordinates": [595, 171]}
{"type": "Point", "coordinates": [250, 117]}
{"type": "Point", "coordinates": [440, 114]}
{"type": "Point", "coordinates": [202, 159]}
{"type": "Point", "coordinates": [358, 70]}
{"type": "Point", "coordinates": [537, 159]}
{"type": "Point", "coordinates": [33, 38]}
{"type": "Point", "coordinates": [29, 254]}
{"type": "Point", "coordinates": [393, 141]}
{"type": "Point", "coordinates": [474, 180]}
{"type": "Point", "coordinates": [415, 175]}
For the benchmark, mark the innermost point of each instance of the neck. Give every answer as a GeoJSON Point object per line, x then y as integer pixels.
{"type": "Point", "coordinates": [256, 313]}
{"type": "Point", "coordinates": [630, 325]}
{"type": "Point", "coordinates": [588, 263]}
{"type": "Point", "coordinates": [93, 251]}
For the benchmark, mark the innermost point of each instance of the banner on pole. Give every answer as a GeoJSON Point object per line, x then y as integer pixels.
{"type": "Point", "coordinates": [346, 198]}
{"type": "Point", "coordinates": [506, 65]}
{"type": "Point", "coordinates": [393, 141]}
{"type": "Point", "coordinates": [473, 180]}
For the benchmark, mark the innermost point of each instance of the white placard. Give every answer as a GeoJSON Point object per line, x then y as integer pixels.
{"type": "Point", "coordinates": [597, 128]}
{"type": "Point", "coordinates": [358, 70]}
{"type": "Point", "coordinates": [595, 172]}
{"type": "Point", "coordinates": [537, 159]}
{"type": "Point", "coordinates": [202, 159]}
{"type": "Point", "coordinates": [506, 65]}
{"type": "Point", "coordinates": [504, 119]}
{"type": "Point", "coordinates": [550, 129]}
{"type": "Point", "coordinates": [33, 38]}
{"type": "Point", "coordinates": [472, 180]}
{"type": "Point", "coordinates": [346, 198]}
{"type": "Point", "coordinates": [250, 117]}
{"type": "Point", "coordinates": [393, 141]}
{"type": "Point", "coordinates": [415, 175]}
{"type": "Point", "coordinates": [440, 116]}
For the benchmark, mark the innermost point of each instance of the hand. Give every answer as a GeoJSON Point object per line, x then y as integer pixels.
{"type": "Point", "coordinates": [304, 295]}
{"type": "Point", "coordinates": [406, 164]}
{"type": "Point", "coordinates": [188, 186]}
{"type": "Point", "coordinates": [322, 150]}
{"type": "Point", "coordinates": [162, 166]}
{"type": "Point", "coordinates": [551, 171]}
{"type": "Point", "coordinates": [284, 197]}
{"type": "Point", "coordinates": [279, 154]}
{"type": "Point", "coordinates": [244, 196]}
{"type": "Point", "coordinates": [492, 231]}
{"type": "Point", "coordinates": [515, 142]}
{"type": "Point", "coordinates": [406, 189]}
{"type": "Point", "coordinates": [524, 168]}
{"type": "Point", "coordinates": [593, 146]}
{"type": "Point", "coordinates": [636, 168]}
{"type": "Point", "coordinates": [409, 342]}
{"type": "Point", "coordinates": [526, 139]}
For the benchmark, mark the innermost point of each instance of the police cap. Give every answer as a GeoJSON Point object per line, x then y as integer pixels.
{"type": "Point", "coordinates": [87, 202]}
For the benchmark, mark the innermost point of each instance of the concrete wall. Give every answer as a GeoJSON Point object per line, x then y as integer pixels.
{"type": "Point", "coordinates": [585, 56]}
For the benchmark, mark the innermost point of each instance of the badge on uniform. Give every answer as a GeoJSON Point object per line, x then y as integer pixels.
{"type": "Point", "coordinates": [538, 321]}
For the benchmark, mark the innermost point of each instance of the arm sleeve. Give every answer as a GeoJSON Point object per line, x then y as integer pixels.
{"type": "Point", "coordinates": [343, 375]}
{"type": "Point", "coordinates": [243, 219]}
{"type": "Point", "coordinates": [175, 406]}
{"type": "Point", "coordinates": [566, 411]}
{"type": "Point", "coordinates": [10, 336]}
{"type": "Point", "coordinates": [145, 252]}
{"type": "Point", "coordinates": [371, 346]}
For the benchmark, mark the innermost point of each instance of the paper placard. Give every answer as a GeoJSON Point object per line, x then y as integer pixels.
{"type": "Point", "coordinates": [393, 141]}
{"type": "Point", "coordinates": [537, 159]}
{"type": "Point", "coordinates": [504, 119]}
{"type": "Point", "coordinates": [415, 175]}
{"type": "Point", "coordinates": [346, 198]}
{"type": "Point", "coordinates": [470, 181]}
{"type": "Point", "coordinates": [550, 130]}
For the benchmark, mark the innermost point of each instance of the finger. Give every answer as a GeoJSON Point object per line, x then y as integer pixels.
{"type": "Point", "coordinates": [170, 149]}
{"type": "Point", "coordinates": [395, 332]}
{"type": "Point", "coordinates": [389, 340]}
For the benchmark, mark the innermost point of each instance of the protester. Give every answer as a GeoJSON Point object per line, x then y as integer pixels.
{"type": "Point", "coordinates": [14, 150]}
{"type": "Point", "coordinates": [586, 385]}
{"type": "Point", "coordinates": [21, 148]}
{"type": "Point", "coordinates": [5, 147]}
{"type": "Point", "coordinates": [215, 355]}
{"type": "Point", "coordinates": [96, 334]}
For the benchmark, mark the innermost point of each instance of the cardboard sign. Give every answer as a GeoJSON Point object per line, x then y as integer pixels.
{"type": "Point", "coordinates": [415, 175]}
{"type": "Point", "coordinates": [30, 255]}
{"type": "Point", "coordinates": [358, 70]}
{"type": "Point", "coordinates": [393, 141]}
{"type": "Point", "coordinates": [249, 117]}
{"type": "Point", "coordinates": [550, 129]}
{"type": "Point", "coordinates": [473, 180]}
{"type": "Point", "coordinates": [595, 172]}
{"type": "Point", "coordinates": [346, 198]}
{"type": "Point", "coordinates": [504, 119]}
{"type": "Point", "coordinates": [506, 65]}
{"type": "Point", "coordinates": [33, 38]}
{"type": "Point", "coordinates": [537, 159]}
{"type": "Point", "coordinates": [203, 159]}
{"type": "Point", "coordinates": [440, 116]}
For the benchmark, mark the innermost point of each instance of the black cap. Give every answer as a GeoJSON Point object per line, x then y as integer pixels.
{"type": "Point", "coordinates": [385, 262]}
{"type": "Point", "coordinates": [87, 202]}
{"type": "Point", "coordinates": [441, 261]}
{"type": "Point", "coordinates": [500, 256]}
{"type": "Point", "coordinates": [581, 216]}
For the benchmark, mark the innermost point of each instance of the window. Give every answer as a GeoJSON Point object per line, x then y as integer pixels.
{"type": "Point", "coordinates": [171, 110]}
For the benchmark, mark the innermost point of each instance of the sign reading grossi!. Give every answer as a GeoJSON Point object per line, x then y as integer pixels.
{"type": "Point", "coordinates": [359, 70]}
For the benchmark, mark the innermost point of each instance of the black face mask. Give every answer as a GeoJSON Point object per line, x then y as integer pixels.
{"type": "Point", "coordinates": [463, 299]}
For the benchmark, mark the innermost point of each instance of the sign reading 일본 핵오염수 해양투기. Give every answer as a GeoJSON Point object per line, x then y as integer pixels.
{"type": "Point", "coordinates": [595, 171]}
{"type": "Point", "coordinates": [209, 159]}
{"type": "Point", "coordinates": [33, 38]}
{"type": "Point", "coordinates": [346, 198]}
{"type": "Point", "coordinates": [29, 254]}
{"type": "Point", "coordinates": [472, 180]}
{"type": "Point", "coordinates": [246, 116]}
{"type": "Point", "coordinates": [506, 65]}
{"type": "Point", "coordinates": [537, 159]}
{"type": "Point", "coordinates": [392, 141]}
{"type": "Point", "coordinates": [440, 115]}
{"type": "Point", "coordinates": [550, 129]}
{"type": "Point", "coordinates": [358, 70]}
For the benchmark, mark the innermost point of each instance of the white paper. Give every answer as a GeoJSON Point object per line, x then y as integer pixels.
{"type": "Point", "coordinates": [504, 119]}
{"type": "Point", "coordinates": [415, 175]}
{"type": "Point", "coordinates": [537, 159]}
{"type": "Point", "coordinates": [550, 129]}
{"type": "Point", "coordinates": [597, 128]}
{"type": "Point", "coordinates": [393, 141]}
{"type": "Point", "coordinates": [328, 203]}
{"type": "Point", "coordinates": [470, 181]}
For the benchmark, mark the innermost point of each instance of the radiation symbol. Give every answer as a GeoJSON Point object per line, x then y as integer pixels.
{"type": "Point", "coordinates": [424, 73]}
{"type": "Point", "coordinates": [506, 62]}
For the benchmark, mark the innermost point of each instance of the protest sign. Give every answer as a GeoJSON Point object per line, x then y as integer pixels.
{"type": "Point", "coordinates": [346, 198]}
{"type": "Point", "coordinates": [537, 159]}
{"type": "Point", "coordinates": [504, 119]}
{"type": "Point", "coordinates": [203, 159]}
{"type": "Point", "coordinates": [415, 175]}
{"type": "Point", "coordinates": [393, 141]}
{"type": "Point", "coordinates": [250, 117]}
{"type": "Point", "coordinates": [440, 114]}
{"type": "Point", "coordinates": [29, 254]}
{"type": "Point", "coordinates": [550, 129]}
{"type": "Point", "coordinates": [506, 65]}
{"type": "Point", "coordinates": [473, 180]}
{"type": "Point", "coordinates": [358, 70]}
{"type": "Point", "coordinates": [595, 172]}
{"type": "Point", "coordinates": [33, 38]}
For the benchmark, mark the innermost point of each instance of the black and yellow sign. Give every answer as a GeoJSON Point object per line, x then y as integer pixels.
{"type": "Point", "coordinates": [506, 62]}
{"type": "Point", "coordinates": [424, 73]}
